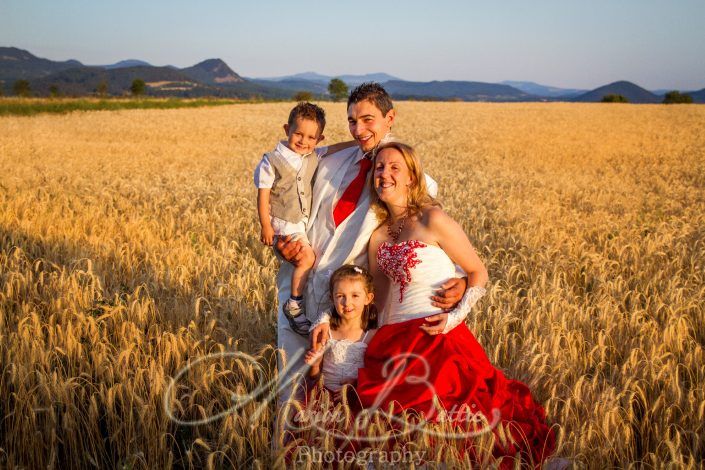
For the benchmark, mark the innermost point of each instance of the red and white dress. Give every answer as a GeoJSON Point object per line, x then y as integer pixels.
{"type": "Point", "coordinates": [407, 368]}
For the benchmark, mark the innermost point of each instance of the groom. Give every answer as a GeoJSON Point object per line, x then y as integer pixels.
{"type": "Point", "coordinates": [341, 220]}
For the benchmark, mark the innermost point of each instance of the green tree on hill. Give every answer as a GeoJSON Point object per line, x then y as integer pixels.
{"type": "Point", "coordinates": [102, 88]}
{"type": "Point", "coordinates": [614, 98]}
{"type": "Point", "coordinates": [303, 96]}
{"type": "Point", "coordinates": [137, 87]}
{"type": "Point", "coordinates": [21, 88]}
{"type": "Point", "coordinates": [338, 89]}
{"type": "Point", "coordinates": [676, 97]}
{"type": "Point", "coordinates": [54, 91]}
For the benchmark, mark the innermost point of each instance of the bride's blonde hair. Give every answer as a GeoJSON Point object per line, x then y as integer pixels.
{"type": "Point", "coordinates": [418, 191]}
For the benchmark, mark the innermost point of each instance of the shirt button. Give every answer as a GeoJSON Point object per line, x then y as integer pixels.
{"type": "Point", "coordinates": [299, 178]}
{"type": "Point", "coordinates": [302, 193]}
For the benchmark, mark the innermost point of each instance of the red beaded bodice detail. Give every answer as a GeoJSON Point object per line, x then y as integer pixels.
{"type": "Point", "coordinates": [397, 260]}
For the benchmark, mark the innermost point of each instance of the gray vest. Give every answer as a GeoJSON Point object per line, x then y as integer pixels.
{"type": "Point", "coordinates": [290, 198]}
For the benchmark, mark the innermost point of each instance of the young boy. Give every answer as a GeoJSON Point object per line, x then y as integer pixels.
{"type": "Point", "coordinates": [284, 180]}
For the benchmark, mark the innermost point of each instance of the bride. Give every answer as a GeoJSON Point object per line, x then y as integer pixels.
{"type": "Point", "coordinates": [434, 357]}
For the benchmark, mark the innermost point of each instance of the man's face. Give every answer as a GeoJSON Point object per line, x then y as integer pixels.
{"type": "Point", "coordinates": [302, 136]}
{"type": "Point", "coordinates": [367, 124]}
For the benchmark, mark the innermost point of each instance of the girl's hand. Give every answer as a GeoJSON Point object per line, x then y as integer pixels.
{"type": "Point", "coordinates": [319, 336]}
{"type": "Point", "coordinates": [312, 357]}
{"type": "Point", "coordinates": [435, 324]}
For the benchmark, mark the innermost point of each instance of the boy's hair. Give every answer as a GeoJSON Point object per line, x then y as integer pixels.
{"type": "Point", "coordinates": [374, 92]}
{"type": "Point", "coordinates": [310, 111]}
{"type": "Point", "coordinates": [350, 271]}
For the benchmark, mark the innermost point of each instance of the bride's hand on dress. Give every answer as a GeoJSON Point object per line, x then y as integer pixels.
{"type": "Point", "coordinates": [435, 324]}
{"type": "Point", "coordinates": [450, 294]}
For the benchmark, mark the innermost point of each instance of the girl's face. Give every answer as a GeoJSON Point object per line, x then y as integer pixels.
{"type": "Point", "coordinates": [392, 177]}
{"type": "Point", "coordinates": [350, 298]}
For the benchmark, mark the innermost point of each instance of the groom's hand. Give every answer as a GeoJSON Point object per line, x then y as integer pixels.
{"type": "Point", "coordinates": [290, 250]}
{"type": "Point", "coordinates": [450, 293]}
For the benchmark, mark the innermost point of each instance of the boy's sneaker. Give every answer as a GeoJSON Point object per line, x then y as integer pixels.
{"type": "Point", "coordinates": [295, 313]}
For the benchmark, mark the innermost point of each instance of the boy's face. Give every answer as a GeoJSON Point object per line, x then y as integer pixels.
{"type": "Point", "coordinates": [368, 125]}
{"type": "Point", "coordinates": [302, 136]}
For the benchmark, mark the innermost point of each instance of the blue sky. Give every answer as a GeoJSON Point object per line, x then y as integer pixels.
{"type": "Point", "coordinates": [573, 44]}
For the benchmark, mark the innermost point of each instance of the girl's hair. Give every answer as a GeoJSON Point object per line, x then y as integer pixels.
{"type": "Point", "coordinates": [350, 271]}
{"type": "Point", "coordinates": [418, 191]}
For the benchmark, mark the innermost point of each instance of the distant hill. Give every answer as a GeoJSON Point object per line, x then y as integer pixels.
{"type": "Point", "coordinates": [355, 80]}
{"type": "Point", "coordinates": [18, 64]}
{"type": "Point", "coordinates": [160, 81]}
{"type": "Point", "coordinates": [459, 90]}
{"type": "Point", "coordinates": [632, 92]}
{"type": "Point", "coordinates": [127, 63]}
{"type": "Point", "coordinates": [85, 80]}
{"type": "Point", "coordinates": [306, 76]}
{"type": "Point", "coordinates": [698, 96]}
{"type": "Point", "coordinates": [350, 80]}
{"type": "Point", "coordinates": [533, 88]}
{"type": "Point", "coordinates": [213, 72]}
{"type": "Point", "coordinates": [295, 85]}
{"type": "Point", "coordinates": [213, 77]}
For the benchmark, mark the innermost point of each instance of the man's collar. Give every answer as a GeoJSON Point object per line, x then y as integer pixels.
{"type": "Point", "coordinates": [370, 154]}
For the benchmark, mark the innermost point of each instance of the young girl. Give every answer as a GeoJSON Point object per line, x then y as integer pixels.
{"type": "Point", "coordinates": [352, 325]}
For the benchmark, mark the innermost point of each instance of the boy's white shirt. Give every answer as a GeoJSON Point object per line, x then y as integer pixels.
{"type": "Point", "coordinates": [264, 172]}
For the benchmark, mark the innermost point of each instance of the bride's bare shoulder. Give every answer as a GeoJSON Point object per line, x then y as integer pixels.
{"type": "Point", "coordinates": [431, 216]}
{"type": "Point", "coordinates": [378, 233]}
{"type": "Point", "coordinates": [377, 236]}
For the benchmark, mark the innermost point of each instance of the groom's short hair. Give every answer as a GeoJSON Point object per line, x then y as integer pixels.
{"type": "Point", "coordinates": [374, 92]}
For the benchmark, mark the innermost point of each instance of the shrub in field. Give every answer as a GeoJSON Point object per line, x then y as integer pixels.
{"type": "Point", "coordinates": [137, 87]}
{"type": "Point", "coordinates": [303, 96]}
{"type": "Point", "coordinates": [676, 97]}
{"type": "Point", "coordinates": [21, 88]}
{"type": "Point", "coordinates": [614, 98]}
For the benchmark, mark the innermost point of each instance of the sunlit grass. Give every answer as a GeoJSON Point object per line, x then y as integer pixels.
{"type": "Point", "coordinates": [129, 246]}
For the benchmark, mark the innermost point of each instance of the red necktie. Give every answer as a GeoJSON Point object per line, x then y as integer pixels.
{"type": "Point", "coordinates": [348, 201]}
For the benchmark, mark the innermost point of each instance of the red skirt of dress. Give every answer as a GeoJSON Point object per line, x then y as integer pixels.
{"type": "Point", "coordinates": [406, 368]}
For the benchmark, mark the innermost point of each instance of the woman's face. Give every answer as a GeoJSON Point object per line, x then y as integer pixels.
{"type": "Point", "coordinates": [392, 177]}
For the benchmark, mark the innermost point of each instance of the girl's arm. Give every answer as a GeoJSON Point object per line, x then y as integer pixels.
{"type": "Point", "coordinates": [313, 359]}
{"type": "Point", "coordinates": [338, 147]}
{"type": "Point", "coordinates": [381, 282]}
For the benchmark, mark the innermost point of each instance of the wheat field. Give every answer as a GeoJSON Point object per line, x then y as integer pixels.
{"type": "Point", "coordinates": [129, 247]}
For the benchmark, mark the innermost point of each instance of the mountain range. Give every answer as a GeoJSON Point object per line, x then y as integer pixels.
{"type": "Point", "coordinates": [213, 77]}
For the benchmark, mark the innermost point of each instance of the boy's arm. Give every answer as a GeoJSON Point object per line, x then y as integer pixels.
{"type": "Point", "coordinates": [267, 235]}
{"type": "Point", "coordinates": [331, 149]}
